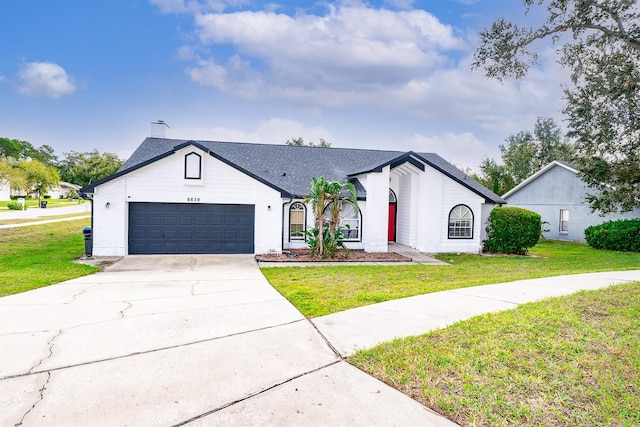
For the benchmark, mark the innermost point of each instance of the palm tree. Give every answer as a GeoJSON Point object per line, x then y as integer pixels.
{"type": "Point", "coordinates": [322, 194]}
{"type": "Point", "coordinates": [339, 192]}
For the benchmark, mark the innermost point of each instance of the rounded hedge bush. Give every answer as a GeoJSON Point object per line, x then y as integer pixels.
{"type": "Point", "coordinates": [14, 206]}
{"type": "Point", "coordinates": [512, 230]}
{"type": "Point", "coordinates": [621, 235]}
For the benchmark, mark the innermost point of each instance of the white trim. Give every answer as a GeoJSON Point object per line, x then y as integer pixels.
{"type": "Point", "coordinates": [536, 175]}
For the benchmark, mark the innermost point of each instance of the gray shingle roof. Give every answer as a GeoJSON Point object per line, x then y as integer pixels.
{"type": "Point", "coordinates": [289, 169]}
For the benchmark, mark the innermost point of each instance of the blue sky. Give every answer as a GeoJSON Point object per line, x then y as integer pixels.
{"type": "Point", "coordinates": [78, 75]}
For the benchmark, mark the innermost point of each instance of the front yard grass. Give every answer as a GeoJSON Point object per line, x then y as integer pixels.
{"type": "Point", "coordinates": [317, 291]}
{"type": "Point", "coordinates": [40, 255]}
{"type": "Point", "coordinates": [572, 360]}
{"type": "Point", "coordinates": [51, 203]}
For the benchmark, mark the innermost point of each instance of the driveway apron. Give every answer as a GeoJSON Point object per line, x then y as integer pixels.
{"type": "Point", "coordinates": [179, 340]}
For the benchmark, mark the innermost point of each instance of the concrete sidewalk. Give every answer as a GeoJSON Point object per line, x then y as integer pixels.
{"type": "Point", "coordinates": [370, 325]}
{"type": "Point", "coordinates": [33, 213]}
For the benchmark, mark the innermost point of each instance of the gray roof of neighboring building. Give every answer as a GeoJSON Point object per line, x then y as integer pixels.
{"type": "Point", "coordinates": [289, 169]}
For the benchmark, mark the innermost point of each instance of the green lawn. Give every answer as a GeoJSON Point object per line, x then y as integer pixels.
{"type": "Point", "coordinates": [36, 256]}
{"type": "Point", "coordinates": [573, 360]}
{"type": "Point", "coordinates": [317, 291]}
{"type": "Point", "coordinates": [51, 203]}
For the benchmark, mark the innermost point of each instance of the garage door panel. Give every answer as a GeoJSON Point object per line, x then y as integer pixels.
{"type": "Point", "coordinates": [154, 234]}
{"type": "Point", "coordinates": [181, 228]}
{"type": "Point", "coordinates": [185, 220]}
{"type": "Point", "coordinates": [200, 234]}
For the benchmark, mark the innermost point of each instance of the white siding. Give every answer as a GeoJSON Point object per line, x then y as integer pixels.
{"type": "Point", "coordinates": [485, 212]}
{"type": "Point", "coordinates": [425, 199]}
{"type": "Point", "coordinates": [163, 182]}
{"type": "Point", "coordinates": [110, 223]}
{"type": "Point", "coordinates": [403, 218]}
{"type": "Point", "coordinates": [455, 194]}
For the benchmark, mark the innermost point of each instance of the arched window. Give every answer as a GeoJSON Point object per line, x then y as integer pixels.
{"type": "Point", "coordinates": [297, 221]}
{"type": "Point", "coordinates": [392, 197]}
{"type": "Point", "coordinates": [350, 221]}
{"type": "Point", "coordinates": [461, 222]}
{"type": "Point", "coordinates": [193, 166]}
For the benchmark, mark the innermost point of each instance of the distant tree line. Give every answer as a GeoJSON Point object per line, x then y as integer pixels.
{"type": "Point", "coordinates": [525, 153]}
{"type": "Point", "coordinates": [34, 171]}
{"type": "Point", "coordinates": [300, 142]}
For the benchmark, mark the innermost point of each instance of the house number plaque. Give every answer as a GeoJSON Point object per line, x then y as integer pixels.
{"type": "Point", "coordinates": [193, 199]}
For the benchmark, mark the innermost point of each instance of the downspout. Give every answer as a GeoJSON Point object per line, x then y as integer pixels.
{"type": "Point", "coordinates": [283, 218]}
{"type": "Point", "coordinates": [85, 196]}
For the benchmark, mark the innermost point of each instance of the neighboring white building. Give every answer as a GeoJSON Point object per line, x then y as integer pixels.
{"type": "Point", "coordinates": [558, 195]}
{"type": "Point", "coordinates": [5, 190]}
{"type": "Point", "coordinates": [61, 191]}
{"type": "Point", "coordinates": [178, 196]}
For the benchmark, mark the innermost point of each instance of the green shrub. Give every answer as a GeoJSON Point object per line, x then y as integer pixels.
{"type": "Point", "coordinates": [621, 235]}
{"type": "Point", "coordinates": [512, 230]}
{"type": "Point", "coordinates": [14, 206]}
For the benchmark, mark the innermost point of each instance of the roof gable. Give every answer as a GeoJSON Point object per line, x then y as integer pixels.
{"type": "Point", "coordinates": [538, 174]}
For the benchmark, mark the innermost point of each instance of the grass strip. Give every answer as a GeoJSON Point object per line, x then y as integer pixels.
{"type": "Point", "coordinates": [317, 291]}
{"type": "Point", "coordinates": [571, 360]}
{"type": "Point", "coordinates": [40, 255]}
{"type": "Point", "coordinates": [41, 218]}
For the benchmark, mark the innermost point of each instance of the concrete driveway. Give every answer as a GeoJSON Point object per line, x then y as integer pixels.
{"type": "Point", "coordinates": [179, 340]}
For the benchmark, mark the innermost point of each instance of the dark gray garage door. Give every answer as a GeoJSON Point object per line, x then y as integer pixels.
{"type": "Point", "coordinates": [182, 228]}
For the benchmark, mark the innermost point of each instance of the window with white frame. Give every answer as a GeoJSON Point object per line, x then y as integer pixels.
{"type": "Point", "coordinates": [350, 220]}
{"type": "Point", "coordinates": [564, 221]}
{"type": "Point", "coordinates": [193, 166]}
{"type": "Point", "coordinates": [297, 221]}
{"type": "Point", "coordinates": [461, 222]}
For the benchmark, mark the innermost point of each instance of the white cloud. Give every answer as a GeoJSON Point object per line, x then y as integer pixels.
{"type": "Point", "coordinates": [237, 77]}
{"type": "Point", "coordinates": [271, 131]}
{"type": "Point", "coordinates": [2, 78]}
{"type": "Point", "coordinates": [45, 79]}
{"type": "Point", "coordinates": [462, 149]}
{"type": "Point", "coordinates": [348, 47]}
{"type": "Point", "coordinates": [357, 56]}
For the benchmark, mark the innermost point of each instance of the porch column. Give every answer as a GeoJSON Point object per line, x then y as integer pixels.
{"type": "Point", "coordinates": [376, 218]}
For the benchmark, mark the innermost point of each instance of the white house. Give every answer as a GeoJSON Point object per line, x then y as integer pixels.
{"type": "Point", "coordinates": [557, 193]}
{"type": "Point", "coordinates": [5, 190]}
{"type": "Point", "coordinates": [61, 191]}
{"type": "Point", "coordinates": [178, 196]}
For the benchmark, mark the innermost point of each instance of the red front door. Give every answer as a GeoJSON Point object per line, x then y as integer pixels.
{"type": "Point", "coordinates": [392, 222]}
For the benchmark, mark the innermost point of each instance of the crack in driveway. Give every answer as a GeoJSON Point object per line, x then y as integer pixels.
{"type": "Point", "coordinates": [50, 344]}
{"type": "Point", "coordinates": [32, 372]}
{"type": "Point", "coordinates": [257, 393]}
{"type": "Point", "coordinates": [129, 305]}
{"type": "Point", "coordinates": [42, 389]}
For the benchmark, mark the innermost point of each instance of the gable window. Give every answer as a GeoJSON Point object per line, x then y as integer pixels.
{"type": "Point", "coordinates": [564, 221]}
{"type": "Point", "coordinates": [461, 222]}
{"type": "Point", "coordinates": [297, 221]}
{"type": "Point", "coordinates": [193, 166]}
{"type": "Point", "coordinates": [350, 220]}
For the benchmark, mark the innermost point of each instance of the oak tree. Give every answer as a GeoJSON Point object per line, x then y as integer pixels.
{"type": "Point", "coordinates": [599, 42]}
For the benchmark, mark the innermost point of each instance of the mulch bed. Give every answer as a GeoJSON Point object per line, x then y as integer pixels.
{"type": "Point", "coordinates": [302, 255]}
